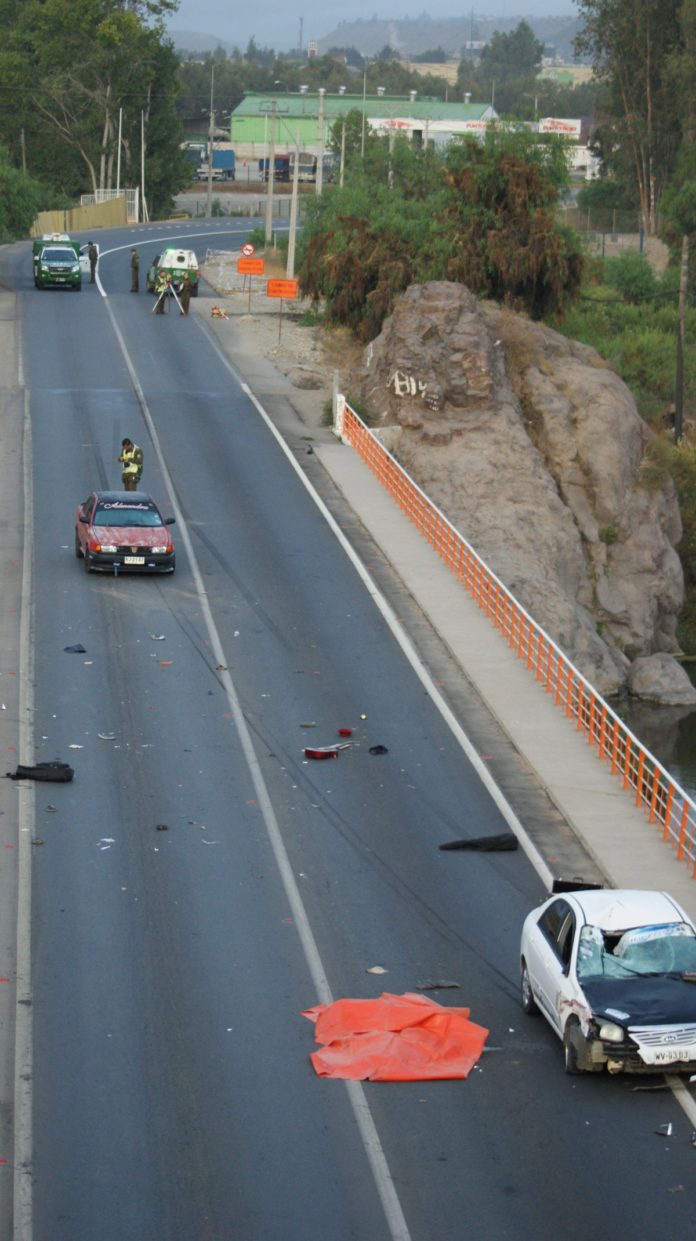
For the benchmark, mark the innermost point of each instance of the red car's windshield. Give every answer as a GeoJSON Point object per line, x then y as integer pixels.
{"type": "Point", "coordinates": [120, 514]}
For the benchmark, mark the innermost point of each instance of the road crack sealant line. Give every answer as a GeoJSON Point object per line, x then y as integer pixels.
{"type": "Point", "coordinates": [23, 1051]}
{"type": "Point", "coordinates": [374, 1152]}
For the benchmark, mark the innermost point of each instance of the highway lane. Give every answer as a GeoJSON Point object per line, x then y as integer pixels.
{"type": "Point", "coordinates": [173, 1096]}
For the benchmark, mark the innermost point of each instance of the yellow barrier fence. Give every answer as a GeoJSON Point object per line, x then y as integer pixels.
{"type": "Point", "coordinates": [641, 774]}
{"type": "Point", "coordinates": [111, 214]}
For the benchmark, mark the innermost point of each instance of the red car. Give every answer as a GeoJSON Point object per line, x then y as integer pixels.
{"type": "Point", "coordinates": [123, 530]}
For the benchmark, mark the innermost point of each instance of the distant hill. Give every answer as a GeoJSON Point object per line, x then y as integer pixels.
{"type": "Point", "coordinates": [195, 41]}
{"type": "Point", "coordinates": [412, 36]}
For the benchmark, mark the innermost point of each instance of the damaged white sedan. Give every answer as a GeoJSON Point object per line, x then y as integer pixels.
{"type": "Point", "coordinates": [614, 973]}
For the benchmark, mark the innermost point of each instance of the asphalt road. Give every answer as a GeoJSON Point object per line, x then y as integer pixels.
{"type": "Point", "coordinates": [173, 1095]}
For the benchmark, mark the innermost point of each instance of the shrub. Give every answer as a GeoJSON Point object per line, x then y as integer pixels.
{"type": "Point", "coordinates": [632, 276]}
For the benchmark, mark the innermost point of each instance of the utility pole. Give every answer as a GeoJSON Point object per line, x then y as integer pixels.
{"type": "Point", "coordinates": [301, 28]}
{"type": "Point", "coordinates": [271, 174]}
{"type": "Point", "coordinates": [143, 201]}
{"type": "Point", "coordinates": [290, 270]}
{"type": "Point", "coordinates": [681, 341]}
{"type": "Point", "coordinates": [118, 153]}
{"type": "Point", "coordinates": [320, 157]}
{"type": "Point", "coordinates": [362, 136]}
{"type": "Point", "coordinates": [209, 202]}
{"type": "Point", "coordinates": [343, 155]}
{"type": "Point", "coordinates": [24, 152]}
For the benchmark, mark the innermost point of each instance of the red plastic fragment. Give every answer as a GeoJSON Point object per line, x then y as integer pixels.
{"type": "Point", "coordinates": [395, 1038]}
{"type": "Point", "coordinates": [345, 732]}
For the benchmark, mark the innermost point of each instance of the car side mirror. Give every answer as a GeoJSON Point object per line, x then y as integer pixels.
{"type": "Point", "coordinates": [84, 519]}
{"type": "Point", "coordinates": [170, 521]}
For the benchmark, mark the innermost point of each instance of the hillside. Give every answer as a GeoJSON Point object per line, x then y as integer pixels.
{"type": "Point", "coordinates": [412, 36]}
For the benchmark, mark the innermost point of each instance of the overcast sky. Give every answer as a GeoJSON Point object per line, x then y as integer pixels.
{"type": "Point", "coordinates": [277, 25]}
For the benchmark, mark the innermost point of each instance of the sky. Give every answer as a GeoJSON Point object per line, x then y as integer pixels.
{"type": "Point", "coordinates": [278, 27]}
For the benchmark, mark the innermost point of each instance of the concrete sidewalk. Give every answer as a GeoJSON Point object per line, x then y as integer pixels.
{"type": "Point", "coordinates": [626, 848]}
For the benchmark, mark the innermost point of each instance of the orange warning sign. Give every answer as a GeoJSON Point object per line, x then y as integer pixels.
{"type": "Point", "coordinates": [281, 288]}
{"type": "Point", "coordinates": [250, 267]}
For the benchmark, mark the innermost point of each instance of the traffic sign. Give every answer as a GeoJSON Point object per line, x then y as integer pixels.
{"type": "Point", "coordinates": [247, 250]}
{"type": "Point", "coordinates": [281, 288]}
{"type": "Point", "coordinates": [250, 267]}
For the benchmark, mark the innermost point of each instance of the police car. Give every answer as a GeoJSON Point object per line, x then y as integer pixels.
{"type": "Point", "coordinates": [614, 974]}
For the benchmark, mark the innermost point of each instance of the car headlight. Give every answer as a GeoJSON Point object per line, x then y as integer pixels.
{"type": "Point", "coordinates": [105, 547]}
{"type": "Point", "coordinates": [76, 267]}
{"type": "Point", "coordinates": [44, 267]}
{"type": "Point", "coordinates": [609, 1032]}
{"type": "Point", "coordinates": [159, 551]}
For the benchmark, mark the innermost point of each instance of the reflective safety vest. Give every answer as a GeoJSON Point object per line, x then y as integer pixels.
{"type": "Point", "coordinates": [133, 460]}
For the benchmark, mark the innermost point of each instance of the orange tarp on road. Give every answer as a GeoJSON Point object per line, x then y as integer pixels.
{"type": "Point", "coordinates": [397, 1038]}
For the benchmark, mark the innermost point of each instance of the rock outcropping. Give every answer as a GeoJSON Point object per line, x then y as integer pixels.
{"type": "Point", "coordinates": [534, 449]}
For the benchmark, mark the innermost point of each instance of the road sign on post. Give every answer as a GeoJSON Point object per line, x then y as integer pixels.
{"type": "Point", "coordinates": [248, 266]}
{"type": "Point", "coordinates": [247, 249]}
{"type": "Point", "coordinates": [282, 289]}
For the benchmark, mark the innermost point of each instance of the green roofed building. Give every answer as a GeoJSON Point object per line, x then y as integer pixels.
{"type": "Point", "coordinates": [297, 117]}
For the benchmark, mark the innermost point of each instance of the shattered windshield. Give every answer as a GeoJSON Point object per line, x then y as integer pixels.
{"type": "Point", "coordinates": [644, 951]}
{"type": "Point", "coordinates": [120, 514]}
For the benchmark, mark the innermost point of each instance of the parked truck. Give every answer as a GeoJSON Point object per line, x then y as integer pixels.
{"type": "Point", "coordinates": [282, 168]}
{"type": "Point", "coordinates": [224, 162]}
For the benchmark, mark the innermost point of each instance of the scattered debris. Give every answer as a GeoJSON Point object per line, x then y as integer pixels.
{"type": "Point", "coordinates": [435, 984]}
{"type": "Point", "coordinates": [77, 649]}
{"type": "Point", "coordinates": [161, 827]}
{"type": "Point", "coordinates": [51, 808]}
{"type": "Point", "coordinates": [378, 749]}
{"type": "Point", "coordinates": [326, 751]}
{"type": "Point", "coordinates": [157, 637]}
{"type": "Point", "coordinates": [106, 842]}
{"type": "Point", "coordinates": [506, 842]}
{"type": "Point", "coordinates": [74, 746]}
{"type": "Point", "coordinates": [363, 716]}
{"type": "Point", "coordinates": [376, 969]}
{"type": "Point", "coordinates": [223, 668]}
{"type": "Point", "coordinates": [107, 736]}
{"type": "Point", "coordinates": [345, 732]}
{"type": "Point", "coordinates": [310, 724]}
{"type": "Point", "coordinates": [59, 773]}
{"type": "Point", "coordinates": [216, 312]}
{"type": "Point", "coordinates": [37, 842]}
{"type": "Point", "coordinates": [166, 663]}
{"type": "Point", "coordinates": [665, 1131]}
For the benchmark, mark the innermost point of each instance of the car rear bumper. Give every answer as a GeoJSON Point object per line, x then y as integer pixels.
{"type": "Point", "coordinates": [108, 563]}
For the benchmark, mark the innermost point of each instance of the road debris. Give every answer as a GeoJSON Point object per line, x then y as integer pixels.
{"type": "Point", "coordinates": [107, 736]}
{"type": "Point", "coordinates": [376, 969]}
{"type": "Point", "coordinates": [436, 984]}
{"type": "Point", "coordinates": [157, 637]}
{"type": "Point", "coordinates": [378, 749]}
{"type": "Point", "coordinates": [665, 1131]}
{"type": "Point", "coordinates": [505, 842]}
{"type": "Point", "coordinates": [326, 751]}
{"type": "Point", "coordinates": [59, 773]}
{"type": "Point", "coordinates": [77, 649]}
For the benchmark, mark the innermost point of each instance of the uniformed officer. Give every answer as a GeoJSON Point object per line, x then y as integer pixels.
{"type": "Point", "coordinates": [93, 255]}
{"type": "Point", "coordinates": [135, 271]}
{"type": "Point", "coordinates": [185, 294]}
{"type": "Point", "coordinates": [161, 292]}
{"type": "Point", "coordinates": [132, 460]}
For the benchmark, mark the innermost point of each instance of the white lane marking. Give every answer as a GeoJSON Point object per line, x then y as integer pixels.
{"type": "Point", "coordinates": [401, 637]}
{"type": "Point", "coordinates": [24, 1038]}
{"type": "Point", "coordinates": [683, 1097]}
{"type": "Point", "coordinates": [396, 1222]}
{"type": "Point", "coordinates": [218, 232]}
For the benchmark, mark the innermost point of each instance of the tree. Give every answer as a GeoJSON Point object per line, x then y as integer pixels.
{"type": "Point", "coordinates": [514, 55]}
{"type": "Point", "coordinates": [632, 44]}
{"type": "Point", "coordinates": [68, 70]}
{"type": "Point", "coordinates": [482, 214]}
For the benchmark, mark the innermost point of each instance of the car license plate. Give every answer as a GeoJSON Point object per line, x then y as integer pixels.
{"type": "Point", "coordinates": [669, 1055]}
{"type": "Point", "coordinates": [134, 560]}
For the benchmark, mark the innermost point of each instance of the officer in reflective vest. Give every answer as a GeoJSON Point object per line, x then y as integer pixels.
{"type": "Point", "coordinates": [132, 460]}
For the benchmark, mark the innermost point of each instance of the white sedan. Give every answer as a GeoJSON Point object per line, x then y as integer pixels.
{"type": "Point", "coordinates": [614, 973]}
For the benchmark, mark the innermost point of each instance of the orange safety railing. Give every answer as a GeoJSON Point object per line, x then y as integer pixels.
{"type": "Point", "coordinates": [645, 779]}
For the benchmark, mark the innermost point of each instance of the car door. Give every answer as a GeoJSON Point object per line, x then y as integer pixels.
{"type": "Point", "coordinates": [86, 510]}
{"type": "Point", "coordinates": [549, 955]}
